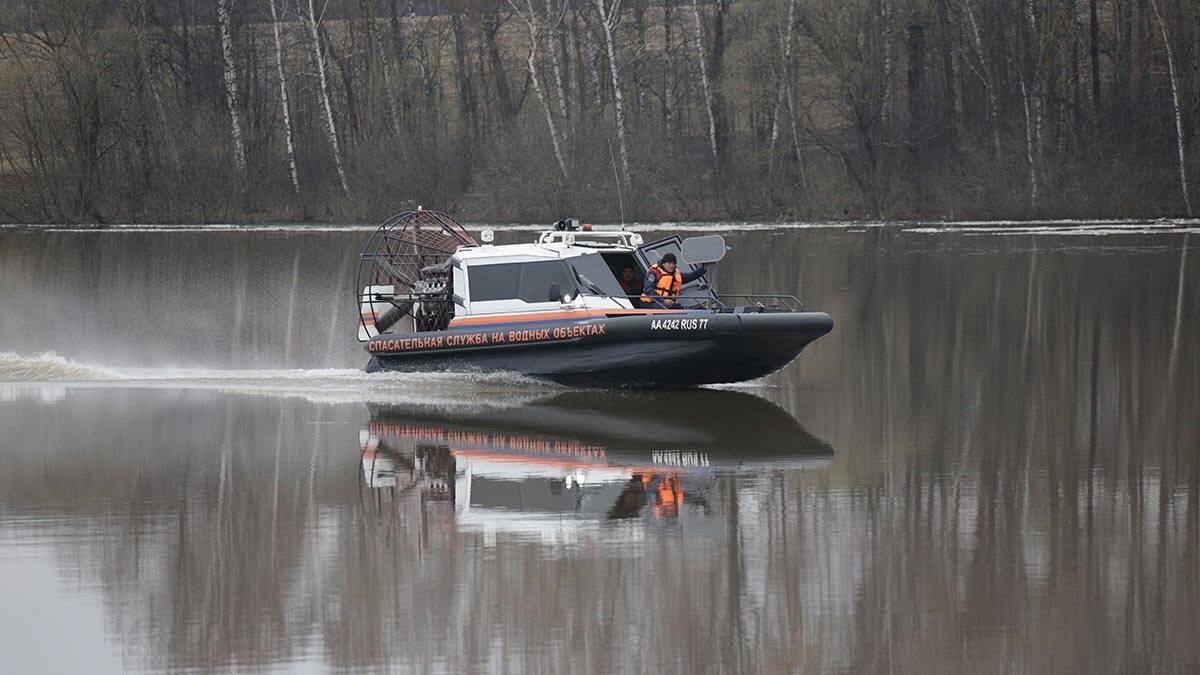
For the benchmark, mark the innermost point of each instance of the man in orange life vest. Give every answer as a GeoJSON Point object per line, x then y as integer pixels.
{"type": "Point", "coordinates": [664, 281]}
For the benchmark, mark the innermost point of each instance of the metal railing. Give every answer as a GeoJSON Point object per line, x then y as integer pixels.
{"type": "Point", "coordinates": [725, 302]}
{"type": "Point", "coordinates": [716, 302]}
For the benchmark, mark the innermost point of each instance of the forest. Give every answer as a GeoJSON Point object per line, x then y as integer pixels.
{"type": "Point", "coordinates": [171, 111]}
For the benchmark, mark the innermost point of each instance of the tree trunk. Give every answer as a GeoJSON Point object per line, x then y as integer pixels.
{"type": "Point", "coordinates": [1076, 101]}
{"type": "Point", "coordinates": [552, 50]}
{"type": "Point", "coordinates": [395, 19]}
{"type": "Point", "coordinates": [1142, 37]}
{"type": "Point", "coordinates": [581, 75]}
{"type": "Point", "coordinates": [708, 103]}
{"type": "Point", "coordinates": [146, 148]}
{"type": "Point", "coordinates": [389, 89]}
{"type": "Point", "coordinates": [1029, 146]}
{"type": "Point", "coordinates": [466, 91]}
{"type": "Point", "coordinates": [885, 28]}
{"type": "Point", "coordinates": [1094, 37]}
{"type": "Point", "coordinates": [491, 26]}
{"type": "Point", "coordinates": [715, 68]}
{"type": "Point", "coordinates": [985, 74]}
{"type": "Point", "coordinates": [283, 98]}
{"type": "Point", "coordinates": [231, 84]}
{"type": "Point", "coordinates": [531, 63]}
{"type": "Point", "coordinates": [570, 52]}
{"type": "Point", "coordinates": [949, 106]}
{"type": "Point", "coordinates": [1036, 84]}
{"type": "Point", "coordinates": [345, 66]}
{"type": "Point", "coordinates": [791, 101]}
{"type": "Point", "coordinates": [916, 91]}
{"type": "Point", "coordinates": [366, 23]}
{"type": "Point", "coordinates": [785, 70]}
{"type": "Point", "coordinates": [323, 92]}
{"type": "Point", "coordinates": [608, 19]}
{"type": "Point", "coordinates": [592, 59]}
{"type": "Point", "coordinates": [1118, 101]}
{"type": "Point", "coordinates": [1179, 130]}
{"type": "Point", "coordinates": [668, 100]}
{"type": "Point", "coordinates": [185, 52]}
{"type": "Point", "coordinates": [639, 22]}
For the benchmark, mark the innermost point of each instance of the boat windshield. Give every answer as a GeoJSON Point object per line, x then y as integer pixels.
{"type": "Point", "coordinates": [595, 277]}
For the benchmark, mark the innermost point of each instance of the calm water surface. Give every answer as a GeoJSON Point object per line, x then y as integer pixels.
{"type": "Point", "coordinates": [990, 464]}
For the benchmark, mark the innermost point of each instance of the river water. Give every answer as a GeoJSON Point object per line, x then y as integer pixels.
{"type": "Point", "coordinates": [990, 464]}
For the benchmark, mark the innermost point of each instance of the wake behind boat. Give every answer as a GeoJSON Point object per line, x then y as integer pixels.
{"type": "Point", "coordinates": [567, 307]}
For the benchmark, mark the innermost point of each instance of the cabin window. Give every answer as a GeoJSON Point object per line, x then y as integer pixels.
{"type": "Point", "coordinates": [596, 269]}
{"type": "Point", "coordinates": [528, 281]}
{"type": "Point", "coordinates": [458, 288]}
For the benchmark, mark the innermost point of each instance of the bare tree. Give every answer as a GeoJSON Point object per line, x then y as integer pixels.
{"type": "Point", "coordinates": [283, 99]}
{"type": "Point", "coordinates": [785, 69]}
{"type": "Point", "coordinates": [986, 75]}
{"type": "Point", "coordinates": [314, 28]}
{"type": "Point", "coordinates": [224, 8]}
{"type": "Point", "coordinates": [593, 59]}
{"type": "Point", "coordinates": [609, 17]}
{"type": "Point", "coordinates": [107, 111]}
{"type": "Point", "coordinates": [1179, 132]}
{"type": "Point", "coordinates": [704, 85]}
{"type": "Point", "coordinates": [1030, 154]}
{"type": "Point", "coordinates": [553, 21]}
{"type": "Point", "coordinates": [1031, 96]}
{"type": "Point", "coordinates": [532, 26]}
{"type": "Point", "coordinates": [668, 97]}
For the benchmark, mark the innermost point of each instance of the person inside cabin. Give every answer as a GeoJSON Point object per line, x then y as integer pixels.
{"type": "Point", "coordinates": [664, 281]}
{"type": "Point", "coordinates": [629, 283]}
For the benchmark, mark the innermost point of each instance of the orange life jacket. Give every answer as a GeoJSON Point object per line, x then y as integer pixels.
{"type": "Point", "coordinates": [670, 497]}
{"type": "Point", "coordinates": [665, 285]}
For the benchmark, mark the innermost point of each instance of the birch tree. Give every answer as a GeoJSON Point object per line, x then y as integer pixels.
{"type": "Point", "coordinates": [704, 87]}
{"type": "Point", "coordinates": [314, 29]}
{"type": "Point", "coordinates": [593, 59]}
{"type": "Point", "coordinates": [283, 99]}
{"type": "Point", "coordinates": [609, 17]}
{"type": "Point", "coordinates": [785, 67]}
{"type": "Point", "coordinates": [984, 71]}
{"type": "Point", "coordinates": [230, 77]}
{"type": "Point", "coordinates": [668, 99]}
{"type": "Point", "coordinates": [1031, 95]}
{"type": "Point", "coordinates": [531, 24]}
{"type": "Point", "coordinates": [1179, 131]}
{"type": "Point", "coordinates": [553, 20]}
{"type": "Point", "coordinates": [107, 112]}
{"type": "Point", "coordinates": [1029, 145]}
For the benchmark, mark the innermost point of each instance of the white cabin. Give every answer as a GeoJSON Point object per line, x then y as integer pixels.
{"type": "Point", "coordinates": [562, 271]}
{"type": "Point", "coordinates": [583, 267]}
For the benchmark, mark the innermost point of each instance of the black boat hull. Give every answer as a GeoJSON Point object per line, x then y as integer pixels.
{"type": "Point", "coordinates": [639, 350]}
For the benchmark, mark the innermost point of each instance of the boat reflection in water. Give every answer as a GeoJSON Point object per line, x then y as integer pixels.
{"type": "Point", "coordinates": [594, 464]}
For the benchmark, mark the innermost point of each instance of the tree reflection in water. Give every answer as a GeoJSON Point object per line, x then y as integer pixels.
{"type": "Point", "coordinates": [1006, 477]}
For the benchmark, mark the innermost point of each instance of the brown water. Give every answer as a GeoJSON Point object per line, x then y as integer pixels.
{"type": "Point", "coordinates": [992, 463]}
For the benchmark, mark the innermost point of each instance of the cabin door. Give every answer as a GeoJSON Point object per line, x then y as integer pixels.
{"type": "Point", "coordinates": [694, 292]}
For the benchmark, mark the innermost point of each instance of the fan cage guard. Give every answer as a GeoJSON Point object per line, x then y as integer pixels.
{"type": "Point", "coordinates": [409, 252]}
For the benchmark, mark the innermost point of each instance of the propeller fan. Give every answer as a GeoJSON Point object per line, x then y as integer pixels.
{"type": "Point", "coordinates": [404, 270]}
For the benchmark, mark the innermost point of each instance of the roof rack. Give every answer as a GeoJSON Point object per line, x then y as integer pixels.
{"type": "Point", "coordinates": [570, 238]}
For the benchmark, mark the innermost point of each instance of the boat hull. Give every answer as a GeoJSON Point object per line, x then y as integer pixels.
{"type": "Point", "coordinates": [640, 350]}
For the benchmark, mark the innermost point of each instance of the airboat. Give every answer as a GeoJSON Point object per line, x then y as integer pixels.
{"type": "Point", "coordinates": [433, 299]}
